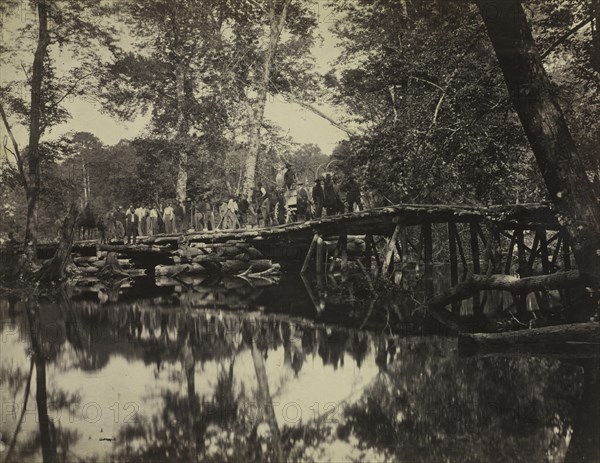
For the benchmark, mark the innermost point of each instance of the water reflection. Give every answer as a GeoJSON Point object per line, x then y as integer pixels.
{"type": "Point", "coordinates": [180, 376]}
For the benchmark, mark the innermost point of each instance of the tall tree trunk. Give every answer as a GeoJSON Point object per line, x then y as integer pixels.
{"type": "Point", "coordinates": [55, 268]}
{"type": "Point", "coordinates": [542, 118]}
{"type": "Point", "coordinates": [277, 23]}
{"type": "Point", "coordinates": [35, 130]}
{"type": "Point", "coordinates": [86, 183]}
{"type": "Point", "coordinates": [265, 402]}
{"type": "Point", "coordinates": [596, 35]}
{"type": "Point", "coordinates": [46, 426]}
{"type": "Point", "coordinates": [181, 134]}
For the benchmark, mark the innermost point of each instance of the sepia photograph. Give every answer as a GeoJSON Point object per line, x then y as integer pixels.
{"type": "Point", "coordinates": [304, 231]}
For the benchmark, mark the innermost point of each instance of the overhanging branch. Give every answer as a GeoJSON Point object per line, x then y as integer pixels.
{"type": "Point", "coordinates": [563, 38]}
{"type": "Point", "coordinates": [320, 113]}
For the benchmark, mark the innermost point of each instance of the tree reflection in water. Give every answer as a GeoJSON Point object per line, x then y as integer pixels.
{"type": "Point", "coordinates": [216, 383]}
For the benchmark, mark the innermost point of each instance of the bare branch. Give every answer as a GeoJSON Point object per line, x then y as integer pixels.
{"type": "Point", "coordinates": [17, 152]}
{"type": "Point", "coordinates": [427, 82]}
{"type": "Point", "coordinates": [563, 38]}
{"type": "Point", "coordinates": [320, 113]}
{"type": "Point", "coordinates": [71, 89]}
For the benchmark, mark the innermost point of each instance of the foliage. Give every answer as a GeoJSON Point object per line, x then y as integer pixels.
{"type": "Point", "coordinates": [438, 126]}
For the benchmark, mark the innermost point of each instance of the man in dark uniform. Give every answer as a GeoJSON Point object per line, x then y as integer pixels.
{"type": "Point", "coordinates": [330, 196]}
{"type": "Point", "coordinates": [353, 194]}
{"type": "Point", "coordinates": [289, 178]}
{"type": "Point", "coordinates": [131, 225]}
{"type": "Point", "coordinates": [317, 197]}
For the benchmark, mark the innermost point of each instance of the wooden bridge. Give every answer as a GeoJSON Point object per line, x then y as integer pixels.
{"type": "Point", "coordinates": [496, 238]}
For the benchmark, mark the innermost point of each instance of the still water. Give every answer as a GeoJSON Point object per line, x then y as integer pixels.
{"type": "Point", "coordinates": [222, 370]}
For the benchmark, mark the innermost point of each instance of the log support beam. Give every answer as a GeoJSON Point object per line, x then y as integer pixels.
{"type": "Point", "coordinates": [309, 254]}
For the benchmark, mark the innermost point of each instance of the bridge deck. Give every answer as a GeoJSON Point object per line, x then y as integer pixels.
{"type": "Point", "coordinates": [379, 221]}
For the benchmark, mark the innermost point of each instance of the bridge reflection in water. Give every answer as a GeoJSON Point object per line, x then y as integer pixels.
{"type": "Point", "coordinates": [180, 375]}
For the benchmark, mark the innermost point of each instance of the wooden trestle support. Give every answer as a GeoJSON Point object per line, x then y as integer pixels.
{"type": "Point", "coordinates": [479, 248]}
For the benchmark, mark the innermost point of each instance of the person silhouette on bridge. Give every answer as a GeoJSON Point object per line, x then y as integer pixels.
{"type": "Point", "coordinates": [318, 197]}
{"type": "Point", "coordinates": [289, 177]}
{"type": "Point", "coordinates": [330, 196]}
{"type": "Point", "coordinates": [131, 224]}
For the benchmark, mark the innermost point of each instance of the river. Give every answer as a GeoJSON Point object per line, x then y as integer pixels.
{"type": "Point", "coordinates": [222, 370]}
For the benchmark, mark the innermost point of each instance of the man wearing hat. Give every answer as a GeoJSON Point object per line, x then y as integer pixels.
{"type": "Point", "coordinates": [318, 197]}
{"type": "Point", "coordinates": [289, 178]}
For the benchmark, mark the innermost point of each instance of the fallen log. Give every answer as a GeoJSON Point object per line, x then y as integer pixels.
{"type": "Point", "coordinates": [124, 263]}
{"type": "Point", "coordinates": [125, 248]}
{"type": "Point", "coordinates": [436, 305]}
{"type": "Point", "coordinates": [235, 266]}
{"type": "Point", "coordinates": [509, 283]}
{"type": "Point", "coordinates": [217, 266]}
{"type": "Point", "coordinates": [584, 334]}
{"type": "Point", "coordinates": [177, 269]}
{"type": "Point", "coordinates": [192, 251]}
{"type": "Point", "coordinates": [199, 258]}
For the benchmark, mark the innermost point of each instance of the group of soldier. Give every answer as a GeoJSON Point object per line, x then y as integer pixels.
{"type": "Point", "coordinates": [166, 217]}
{"type": "Point", "coordinates": [267, 206]}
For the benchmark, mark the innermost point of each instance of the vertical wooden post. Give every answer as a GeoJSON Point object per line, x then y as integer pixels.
{"type": "Point", "coordinates": [544, 250]}
{"type": "Point", "coordinates": [566, 250]}
{"type": "Point", "coordinates": [474, 244]}
{"type": "Point", "coordinates": [368, 250]}
{"type": "Point", "coordinates": [534, 252]}
{"type": "Point", "coordinates": [453, 261]}
{"type": "Point", "coordinates": [493, 256]}
{"type": "Point", "coordinates": [518, 233]}
{"type": "Point", "coordinates": [426, 238]}
{"type": "Point", "coordinates": [376, 255]}
{"type": "Point", "coordinates": [319, 255]}
{"type": "Point", "coordinates": [453, 254]}
{"type": "Point", "coordinates": [335, 256]}
{"type": "Point", "coordinates": [311, 250]}
{"type": "Point", "coordinates": [474, 248]}
{"type": "Point", "coordinates": [343, 244]}
{"type": "Point", "coordinates": [556, 252]}
{"type": "Point", "coordinates": [427, 246]}
{"type": "Point", "coordinates": [404, 244]}
{"type": "Point", "coordinates": [388, 261]}
{"type": "Point", "coordinates": [511, 248]}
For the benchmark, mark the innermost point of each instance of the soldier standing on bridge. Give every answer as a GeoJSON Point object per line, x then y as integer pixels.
{"type": "Point", "coordinates": [317, 197]}
{"type": "Point", "coordinates": [352, 194]}
{"type": "Point", "coordinates": [289, 177]}
{"type": "Point", "coordinates": [131, 222]}
{"type": "Point", "coordinates": [330, 196]}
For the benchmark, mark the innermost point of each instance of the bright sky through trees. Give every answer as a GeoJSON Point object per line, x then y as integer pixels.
{"type": "Point", "coordinates": [300, 124]}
